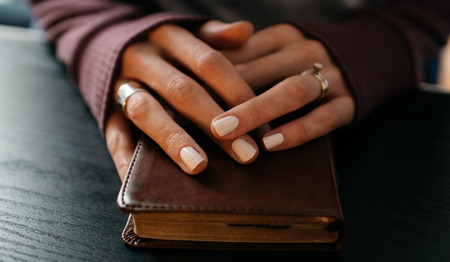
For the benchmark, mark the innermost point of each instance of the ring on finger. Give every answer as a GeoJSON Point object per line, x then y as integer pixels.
{"type": "Point", "coordinates": [125, 91]}
{"type": "Point", "coordinates": [323, 82]}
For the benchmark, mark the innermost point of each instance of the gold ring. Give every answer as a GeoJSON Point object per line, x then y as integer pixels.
{"type": "Point", "coordinates": [323, 82]}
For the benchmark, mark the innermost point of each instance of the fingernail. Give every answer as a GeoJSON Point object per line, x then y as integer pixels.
{"type": "Point", "coordinates": [225, 125]}
{"type": "Point", "coordinates": [190, 157]}
{"type": "Point", "coordinates": [243, 149]}
{"type": "Point", "coordinates": [273, 140]}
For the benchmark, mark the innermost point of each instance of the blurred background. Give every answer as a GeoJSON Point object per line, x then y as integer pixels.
{"type": "Point", "coordinates": [14, 13]}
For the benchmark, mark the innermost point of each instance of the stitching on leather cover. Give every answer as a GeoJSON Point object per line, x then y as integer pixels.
{"type": "Point", "coordinates": [144, 207]}
{"type": "Point", "coordinates": [125, 186]}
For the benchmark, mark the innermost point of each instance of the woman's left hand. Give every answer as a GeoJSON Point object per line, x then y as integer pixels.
{"type": "Point", "coordinates": [279, 54]}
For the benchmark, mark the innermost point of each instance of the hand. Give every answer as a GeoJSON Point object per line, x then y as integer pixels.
{"type": "Point", "coordinates": [159, 63]}
{"type": "Point", "coordinates": [278, 55]}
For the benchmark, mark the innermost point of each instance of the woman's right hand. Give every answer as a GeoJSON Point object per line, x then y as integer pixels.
{"type": "Point", "coordinates": [159, 63]}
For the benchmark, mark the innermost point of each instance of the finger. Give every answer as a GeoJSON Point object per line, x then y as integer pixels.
{"type": "Point", "coordinates": [150, 117]}
{"type": "Point", "coordinates": [206, 63]}
{"type": "Point", "coordinates": [183, 93]}
{"type": "Point", "coordinates": [263, 43]}
{"type": "Point", "coordinates": [221, 35]}
{"type": "Point", "coordinates": [119, 141]}
{"type": "Point", "coordinates": [285, 97]}
{"type": "Point", "coordinates": [294, 59]}
{"type": "Point", "coordinates": [188, 98]}
{"type": "Point", "coordinates": [321, 121]}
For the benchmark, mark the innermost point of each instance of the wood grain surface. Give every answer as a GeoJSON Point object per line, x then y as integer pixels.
{"type": "Point", "coordinates": [58, 185]}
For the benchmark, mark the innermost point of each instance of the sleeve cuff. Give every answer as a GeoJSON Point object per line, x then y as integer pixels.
{"type": "Point", "coordinates": [99, 64]}
{"type": "Point", "coordinates": [374, 58]}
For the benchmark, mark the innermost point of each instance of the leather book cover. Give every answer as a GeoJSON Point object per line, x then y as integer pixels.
{"type": "Point", "coordinates": [296, 183]}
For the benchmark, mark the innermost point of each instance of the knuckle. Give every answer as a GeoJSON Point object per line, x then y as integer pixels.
{"type": "Point", "coordinates": [137, 105]}
{"type": "Point", "coordinates": [180, 89]}
{"type": "Point", "coordinates": [291, 31]}
{"type": "Point", "coordinates": [297, 52]}
{"type": "Point", "coordinates": [283, 30]}
{"type": "Point", "coordinates": [208, 60]}
{"type": "Point", "coordinates": [315, 49]}
{"type": "Point", "coordinates": [286, 32]}
{"type": "Point", "coordinates": [279, 31]}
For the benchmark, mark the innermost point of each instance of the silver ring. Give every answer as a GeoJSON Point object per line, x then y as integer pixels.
{"type": "Point", "coordinates": [323, 82]}
{"type": "Point", "coordinates": [125, 91]}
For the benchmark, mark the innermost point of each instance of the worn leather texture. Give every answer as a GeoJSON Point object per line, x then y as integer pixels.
{"type": "Point", "coordinates": [296, 182]}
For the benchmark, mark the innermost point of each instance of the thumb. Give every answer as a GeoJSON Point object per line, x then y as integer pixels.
{"type": "Point", "coordinates": [222, 35]}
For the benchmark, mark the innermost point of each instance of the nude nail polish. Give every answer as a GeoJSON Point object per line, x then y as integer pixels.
{"type": "Point", "coordinates": [273, 140]}
{"type": "Point", "coordinates": [243, 149]}
{"type": "Point", "coordinates": [190, 157]}
{"type": "Point", "coordinates": [226, 125]}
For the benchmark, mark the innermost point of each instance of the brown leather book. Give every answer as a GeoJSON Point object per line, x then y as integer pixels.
{"type": "Point", "coordinates": [283, 201]}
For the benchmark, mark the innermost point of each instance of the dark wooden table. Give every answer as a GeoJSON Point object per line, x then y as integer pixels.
{"type": "Point", "coordinates": [58, 185]}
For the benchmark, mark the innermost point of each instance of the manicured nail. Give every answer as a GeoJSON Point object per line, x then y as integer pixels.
{"type": "Point", "coordinates": [243, 149]}
{"type": "Point", "coordinates": [226, 125]}
{"type": "Point", "coordinates": [190, 157]}
{"type": "Point", "coordinates": [273, 140]}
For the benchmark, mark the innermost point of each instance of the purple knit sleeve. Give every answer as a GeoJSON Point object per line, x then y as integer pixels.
{"type": "Point", "coordinates": [382, 51]}
{"type": "Point", "coordinates": [100, 63]}
{"type": "Point", "coordinates": [90, 36]}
